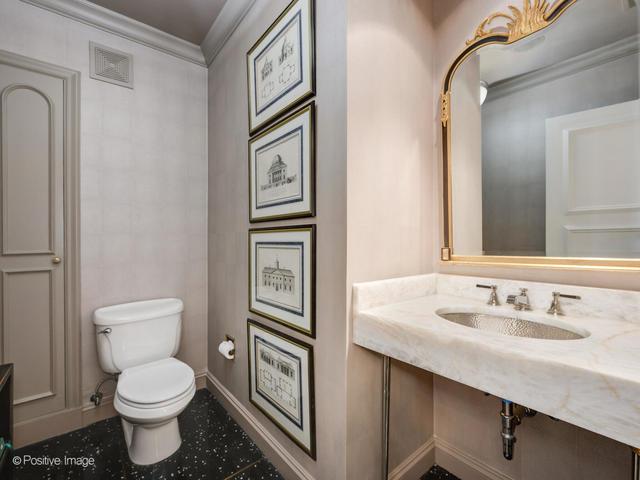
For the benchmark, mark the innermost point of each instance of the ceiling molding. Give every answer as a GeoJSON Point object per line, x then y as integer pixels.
{"type": "Point", "coordinates": [223, 27]}
{"type": "Point", "coordinates": [594, 58]}
{"type": "Point", "coordinates": [117, 24]}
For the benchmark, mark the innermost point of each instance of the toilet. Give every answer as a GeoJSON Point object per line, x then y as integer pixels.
{"type": "Point", "coordinates": [138, 341]}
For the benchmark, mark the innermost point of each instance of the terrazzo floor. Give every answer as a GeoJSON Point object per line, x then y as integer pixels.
{"type": "Point", "coordinates": [213, 447]}
{"type": "Point", "coordinates": [438, 473]}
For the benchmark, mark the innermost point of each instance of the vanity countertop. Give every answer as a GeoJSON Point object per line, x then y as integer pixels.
{"type": "Point", "coordinates": [592, 382]}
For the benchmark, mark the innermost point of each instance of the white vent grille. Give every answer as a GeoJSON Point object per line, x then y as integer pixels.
{"type": "Point", "coordinates": [111, 65]}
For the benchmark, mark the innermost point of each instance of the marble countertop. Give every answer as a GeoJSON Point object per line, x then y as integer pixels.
{"type": "Point", "coordinates": [592, 382]}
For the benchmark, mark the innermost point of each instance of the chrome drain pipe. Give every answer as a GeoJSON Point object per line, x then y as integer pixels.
{"type": "Point", "coordinates": [635, 456]}
{"type": "Point", "coordinates": [509, 423]}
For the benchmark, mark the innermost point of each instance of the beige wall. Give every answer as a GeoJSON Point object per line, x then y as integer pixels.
{"type": "Point", "coordinates": [464, 417]}
{"type": "Point", "coordinates": [229, 223]}
{"type": "Point", "coordinates": [143, 175]}
{"type": "Point", "coordinates": [390, 206]}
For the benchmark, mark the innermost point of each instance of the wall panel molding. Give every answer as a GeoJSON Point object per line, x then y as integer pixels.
{"type": "Point", "coordinates": [125, 27]}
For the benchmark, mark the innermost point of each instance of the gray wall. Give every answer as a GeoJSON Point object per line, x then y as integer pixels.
{"type": "Point", "coordinates": [229, 223]}
{"type": "Point", "coordinates": [513, 149]}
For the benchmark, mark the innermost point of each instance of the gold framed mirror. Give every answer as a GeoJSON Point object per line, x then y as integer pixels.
{"type": "Point", "coordinates": [540, 117]}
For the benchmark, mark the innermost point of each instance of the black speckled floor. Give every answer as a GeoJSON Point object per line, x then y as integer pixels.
{"type": "Point", "coordinates": [213, 447]}
{"type": "Point", "coordinates": [438, 473]}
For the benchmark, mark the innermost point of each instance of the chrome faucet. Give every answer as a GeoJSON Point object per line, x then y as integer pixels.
{"type": "Point", "coordinates": [555, 308]}
{"type": "Point", "coordinates": [521, 301]}
{"type": "Point", "coordinates": [493, 297]}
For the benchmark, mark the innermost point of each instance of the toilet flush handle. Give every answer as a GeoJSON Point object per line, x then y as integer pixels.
{"type": "Point", "coordinates": [106, 331]}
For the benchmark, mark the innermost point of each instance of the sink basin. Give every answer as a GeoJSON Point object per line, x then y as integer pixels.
{"type": "Point", "coordinates": [515, 325]}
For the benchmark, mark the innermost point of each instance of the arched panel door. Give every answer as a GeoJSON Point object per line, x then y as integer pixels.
{"type": "Point", "coordinates": [32, 322]}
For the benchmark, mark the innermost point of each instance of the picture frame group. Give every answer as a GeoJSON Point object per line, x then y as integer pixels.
{"type": "Point", "coordinates": [282, 260]}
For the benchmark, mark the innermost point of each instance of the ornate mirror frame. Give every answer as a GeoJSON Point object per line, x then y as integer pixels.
{"type": "Point", "coordinates": [515, 26]}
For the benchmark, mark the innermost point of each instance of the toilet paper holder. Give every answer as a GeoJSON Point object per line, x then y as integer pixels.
{"type": "Point", "coordinates": [228, 348]}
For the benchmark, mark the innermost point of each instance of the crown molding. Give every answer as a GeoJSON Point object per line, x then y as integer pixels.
{"type": "Point", "coordinates": [223, 27]}
{"type": "Point", "coordinates": [594, 58]}
{"type": "Point", "coordinates": [125, 27]}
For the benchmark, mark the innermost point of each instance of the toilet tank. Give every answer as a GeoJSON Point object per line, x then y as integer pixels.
{"type": "Point", "coordinates": [135, 333]}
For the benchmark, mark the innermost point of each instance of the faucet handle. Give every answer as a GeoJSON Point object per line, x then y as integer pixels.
{"type": "Point", "coordinates": [493, 297]}
{"type": "Point", "coordinates": [555, 308]}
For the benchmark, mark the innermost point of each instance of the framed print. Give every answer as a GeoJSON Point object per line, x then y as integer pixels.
{"type": "Point", "coordinates": [281, 383]}
{"type": "Point", "coordinates": [281, 169]}
{"type": "Point", "coordinates": [280, 65]}
{"type": "Point", "coordinates": [282, 275]}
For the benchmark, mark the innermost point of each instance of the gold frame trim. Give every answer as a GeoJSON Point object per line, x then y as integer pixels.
{"type": "Point", "coordinates": [518, 24]}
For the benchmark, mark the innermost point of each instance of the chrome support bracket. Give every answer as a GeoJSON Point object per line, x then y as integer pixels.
{"type": "Point", "coordinates": [386, 396]}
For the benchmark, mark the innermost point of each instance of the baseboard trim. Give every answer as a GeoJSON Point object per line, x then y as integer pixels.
{"type": "Point", "coordinates": [47, 426]}
{"type": "Point", "coordinates": [416, 464]}
{"type": "Point", "coordinates": [277, 453]}
{"type": "Point", "coordinates": [464, 465]}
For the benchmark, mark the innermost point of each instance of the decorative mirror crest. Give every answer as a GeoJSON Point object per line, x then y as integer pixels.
{"type": "Point", "coordinates": [520, 23]}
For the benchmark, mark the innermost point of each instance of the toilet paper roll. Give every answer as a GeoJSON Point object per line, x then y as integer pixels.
{"type": "Point", "coordinates": [227, 349]}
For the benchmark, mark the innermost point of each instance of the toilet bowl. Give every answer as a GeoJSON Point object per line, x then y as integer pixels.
{"type": "Point", "coordinates": [149, 399]}
{"type": "Point", "coordinates": [138, 341]}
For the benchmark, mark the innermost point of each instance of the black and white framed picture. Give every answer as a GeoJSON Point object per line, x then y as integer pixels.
{"type": "Point", "coordinates": [280, 65]}
{"type": "Point", "coordinates": [281, 383]}
{"type": "Point", "coordinates": [281, 169]}
{"type": "Point", "coordinates": [282, 275]}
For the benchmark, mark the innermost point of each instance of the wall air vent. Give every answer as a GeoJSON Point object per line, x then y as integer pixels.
{"type": "Point", "coordinates": [111, 65]}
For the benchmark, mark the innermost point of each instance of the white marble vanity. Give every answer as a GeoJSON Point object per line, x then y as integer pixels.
{"type": "Point", "coordinates": [593, 382]}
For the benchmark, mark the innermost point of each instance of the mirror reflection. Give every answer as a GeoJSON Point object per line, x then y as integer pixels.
{"type": "Point", "coordinates": [545, 140]}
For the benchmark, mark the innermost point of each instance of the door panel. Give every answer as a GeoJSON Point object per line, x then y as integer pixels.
{"type": "Point", "coordinates": [28, 159]}
{"type": "Point", "coordinates": [593, 173]}
{"type": "Point", "coordinates": [32, 296]}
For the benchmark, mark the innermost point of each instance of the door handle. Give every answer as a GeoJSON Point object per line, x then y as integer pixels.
{"type": "Point", "coordinates": [56, 260]}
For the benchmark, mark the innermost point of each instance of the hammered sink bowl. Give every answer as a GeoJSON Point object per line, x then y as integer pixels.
{"type": "Point", "coordinates": [512, 325]}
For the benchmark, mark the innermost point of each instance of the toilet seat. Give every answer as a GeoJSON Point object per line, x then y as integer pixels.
{"type": "Point", "coordinates": [154, 391]}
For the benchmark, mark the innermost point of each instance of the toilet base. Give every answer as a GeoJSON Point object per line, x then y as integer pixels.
{"type": "Point", "coordinates": [151, 443]}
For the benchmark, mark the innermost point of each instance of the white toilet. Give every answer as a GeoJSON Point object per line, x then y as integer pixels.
{"type": "Point", "coordinates": [138, 340]}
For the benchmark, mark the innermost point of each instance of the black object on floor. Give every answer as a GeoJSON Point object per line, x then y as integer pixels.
{"type": "Point", "coordinates": [438, 473]}
{"type": "Point", "coordinates": [6, 418]}
{"type": "Point", "coordinates": [213, 447]}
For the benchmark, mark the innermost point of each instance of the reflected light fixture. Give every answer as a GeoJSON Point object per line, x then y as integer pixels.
{"type": "Point", "coordinates": [484, 89]}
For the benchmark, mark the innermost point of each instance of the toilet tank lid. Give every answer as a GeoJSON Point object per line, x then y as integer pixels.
{"type": "Point", "coordinates": [137, 311]}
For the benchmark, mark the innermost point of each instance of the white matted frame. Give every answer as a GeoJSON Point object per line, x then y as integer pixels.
{"type": "Point", "coordinates": [281, 383]}
{"type": "Point", "coordinates": [282, 169]}
{"type": "Point", "coordinates": [281, 65]}
{"type": "Point", "coordinates": [282, 275]}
